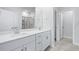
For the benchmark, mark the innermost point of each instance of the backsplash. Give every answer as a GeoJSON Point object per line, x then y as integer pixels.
{"type": "Point", "coordinates": [8, 19]}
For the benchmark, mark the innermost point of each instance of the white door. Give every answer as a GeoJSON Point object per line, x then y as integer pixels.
{"type": "Point", "coordinates": [67, 28]}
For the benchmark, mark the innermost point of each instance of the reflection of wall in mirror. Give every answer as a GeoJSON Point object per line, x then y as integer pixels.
{"type": "Point", "coordinates": [27, 22]}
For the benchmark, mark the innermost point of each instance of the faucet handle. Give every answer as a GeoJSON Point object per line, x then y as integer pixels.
{"type": "Point", "coordinates": [14, 27]}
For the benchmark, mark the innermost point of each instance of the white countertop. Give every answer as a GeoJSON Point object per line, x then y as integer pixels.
{"type": "Point", "coordinates": [23, 33]}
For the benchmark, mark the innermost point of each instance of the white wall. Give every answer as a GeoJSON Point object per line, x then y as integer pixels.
{"type": "Point", "coordinates": [11, 15]}
{"type": "Point", "coordinates": [38, 17]}
{"type": "Point", "coordinates": [76, 26]}
{"type": "Point", "coordinates": [43, 17]}
{"type": "Point", "coordinates": [47, 18]}
{"type": "Point", "coordinates": [8, 19]}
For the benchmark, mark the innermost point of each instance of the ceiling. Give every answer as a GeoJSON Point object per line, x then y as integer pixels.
{"type": "Point", "coordinates": [65, 8]}
{"type": "Point", "coordinates": [19, 9]}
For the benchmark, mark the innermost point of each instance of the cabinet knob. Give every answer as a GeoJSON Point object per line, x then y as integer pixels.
{"type": "Point", "coordinates": [25, 48]}
{"type": "Point", "coordinates": [0, 12]}
{"type": "Point", "coordinates": [47, 37]}
{"type": "Point", "coordinates": [22, 49]}
{"type": "Point", "coordinates": [39, 36]}
{"type": "Point", "coordinates": [39, 42]}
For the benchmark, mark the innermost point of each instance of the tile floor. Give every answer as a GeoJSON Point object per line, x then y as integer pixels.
{"type": "Point", "coordinates": [64, 45]}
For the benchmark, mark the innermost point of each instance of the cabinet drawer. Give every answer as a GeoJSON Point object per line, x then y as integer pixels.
{"type": "Point", "coordinates": [30, 46]}
{"type": "Point", "coordinates": [38, 37]}
{"type": "Point", "coordinates": [20, 48]}
{"type": "Point", "coordinates": [26, 47]}
{"type": "Point", "coordinates": [38, 42]}
{"type": "Point", "coordinates": [38, 46]}
{"type": "Point", "coordinates": [46, 36]}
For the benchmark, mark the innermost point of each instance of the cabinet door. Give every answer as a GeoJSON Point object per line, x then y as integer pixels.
{"type": "Point", "coordinates": [46, 40]}
{"type": "Point", "coordinates": [21, 48]}
{"type": "Point", "coordinates": [38, 42]}
{"type": "Point", "coordinates": [26, 47]}
{"type": "Point", "coordinates": [30, 46]}
{"type": "Point", "coordinates": [38, 46]}
{"type": "Point", "coordinates": [17, 44]}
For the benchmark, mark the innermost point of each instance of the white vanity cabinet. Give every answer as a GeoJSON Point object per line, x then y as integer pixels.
{"type": "Point", "coordinates": [42, 40]}
{"type": "Point", "coordinates": [36, 42]}
{"type": "Point", "coordinates": [19, 44]}
{"type": "Point", "coordinates": [20, 48]}
{"type": "Point", "coordinates": [46, 36]}
{"type": "Point", "coordinates": [30, 46]}
{"type": "Point", "coordinates": [26, 47]}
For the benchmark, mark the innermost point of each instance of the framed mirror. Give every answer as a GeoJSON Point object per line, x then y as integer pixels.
{"type": "Point", "coordinates": [28, 17]}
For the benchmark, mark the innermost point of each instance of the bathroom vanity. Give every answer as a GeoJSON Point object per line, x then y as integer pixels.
{"type": "Point", "coordinates": [37, 39]}
{"type": "Point", "coordinates": [31, 40]}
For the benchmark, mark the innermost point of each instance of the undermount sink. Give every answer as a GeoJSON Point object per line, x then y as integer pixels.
{"type": "Point", "coordinates": [19, 34]}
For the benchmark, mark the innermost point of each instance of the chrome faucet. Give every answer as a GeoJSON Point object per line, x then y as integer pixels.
{"type": "Point", "coordinates": [15, 29]}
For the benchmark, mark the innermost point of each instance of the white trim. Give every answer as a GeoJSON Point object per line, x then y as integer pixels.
{"type": "Point", "coordinates": [61, 25]}
{"type": "Point", "coordinates": [76, 43]}
{"type": "Point", "coordinates": [67, 37]}
{"type": "Point", "coordinates": [73, 27]}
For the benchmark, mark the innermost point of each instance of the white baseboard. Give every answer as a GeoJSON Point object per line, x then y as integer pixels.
{"type": "Point", "coordinates": [52, 46]}
{"type": "Point", "coordinates": [67, 37]}
{"type": "Point", "coordinates": [76, 43]}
